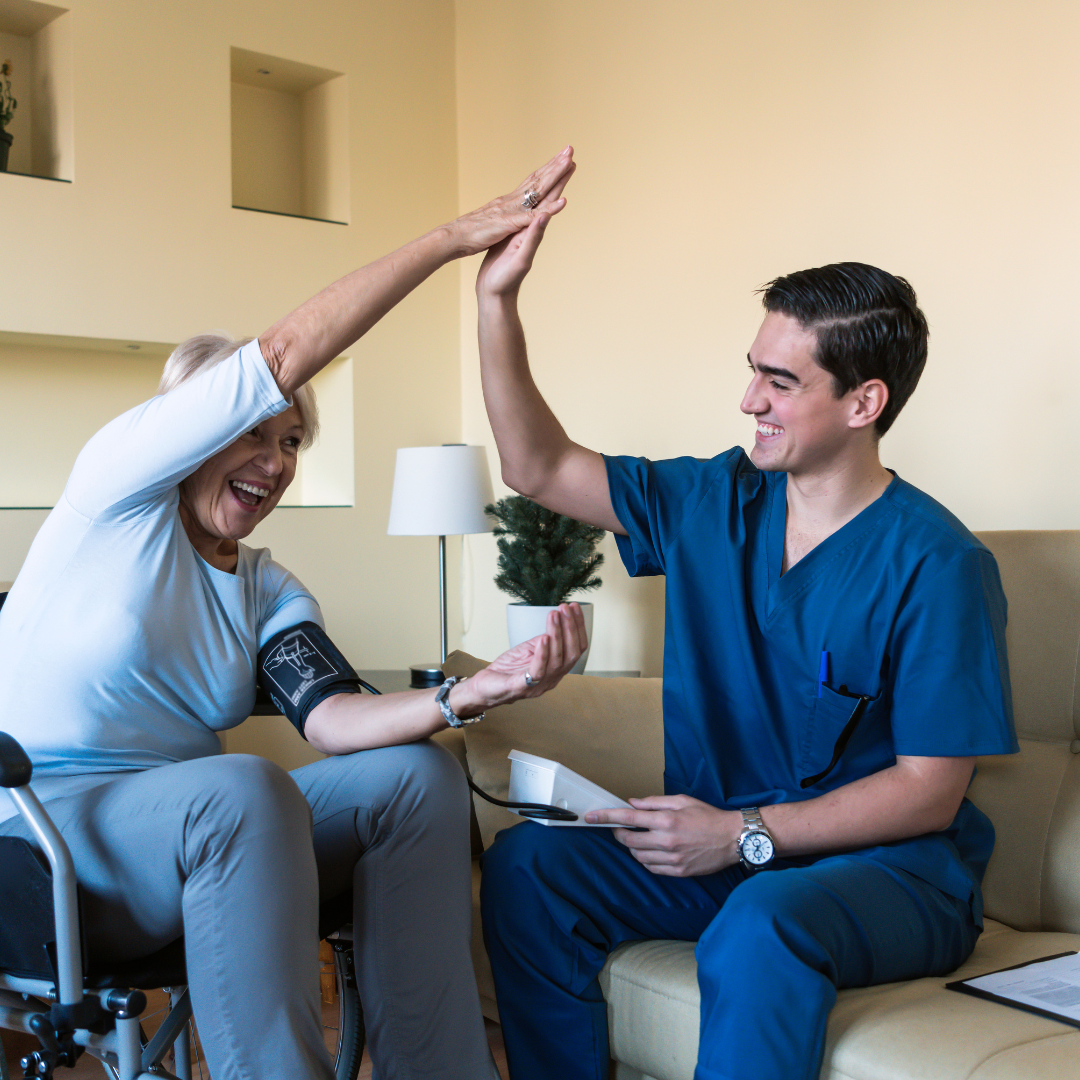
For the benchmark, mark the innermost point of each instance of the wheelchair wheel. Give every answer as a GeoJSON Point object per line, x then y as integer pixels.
{"type": "Point", "coordinates": [346, 1041]}
{"type": "Point", "coordinates": [343, 1025]}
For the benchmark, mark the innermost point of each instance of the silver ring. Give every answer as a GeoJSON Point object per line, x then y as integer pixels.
{"type": "Point", "coordinates": [531, 200]}
{"type": "Point", "coordinates": [529, 680]}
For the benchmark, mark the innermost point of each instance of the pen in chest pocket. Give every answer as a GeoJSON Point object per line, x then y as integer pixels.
{"type": "Point", "coordinates": [861, 701]}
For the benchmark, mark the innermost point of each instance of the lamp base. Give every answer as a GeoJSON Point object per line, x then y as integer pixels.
{"type": "Point", "coordinates": [425, 675]}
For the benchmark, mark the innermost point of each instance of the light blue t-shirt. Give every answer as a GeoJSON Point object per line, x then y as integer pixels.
{"type": "Point", "coordinates": [120, 647]}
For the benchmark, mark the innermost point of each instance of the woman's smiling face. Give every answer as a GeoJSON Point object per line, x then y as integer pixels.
{"type": "Point", "coordinates": [230, 493]}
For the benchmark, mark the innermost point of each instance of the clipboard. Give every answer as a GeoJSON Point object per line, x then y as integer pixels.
{"type": "Point", "coordinates": [961, 986]}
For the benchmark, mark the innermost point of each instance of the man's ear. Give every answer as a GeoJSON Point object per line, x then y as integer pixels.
{"type": "Point", "coordinates": [868, 401]}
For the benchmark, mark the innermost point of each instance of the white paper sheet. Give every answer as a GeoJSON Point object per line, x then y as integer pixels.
{"type": "Point", "coordinates": [1050, 985]}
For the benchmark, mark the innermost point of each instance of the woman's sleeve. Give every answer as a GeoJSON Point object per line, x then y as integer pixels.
{"type": "Point", "coordinates": [148, 450]}
{"type": "Point", "coordinates": [284, 600]}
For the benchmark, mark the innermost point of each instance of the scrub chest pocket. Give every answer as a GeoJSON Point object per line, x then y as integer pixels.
{"type": "Point", "coordinates": [843, 728]}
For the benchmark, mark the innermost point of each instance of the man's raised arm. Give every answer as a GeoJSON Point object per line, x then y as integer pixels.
{"type": "Point", "coordinates": [538, 457]}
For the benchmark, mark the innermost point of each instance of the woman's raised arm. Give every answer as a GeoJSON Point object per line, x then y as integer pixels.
{"type": "Point", "coordinates": [305, 341]}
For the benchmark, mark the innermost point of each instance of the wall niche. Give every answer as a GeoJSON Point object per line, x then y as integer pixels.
{"type": "Point", "coordinates": [61, 390]}
{"type": "Point", "coordinates": [36, 38]}
{"type": "Point", "coordinates": [290, 138]}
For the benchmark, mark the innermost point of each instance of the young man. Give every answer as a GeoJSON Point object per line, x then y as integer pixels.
{"type": "Point", "coordinates": [834, 661]}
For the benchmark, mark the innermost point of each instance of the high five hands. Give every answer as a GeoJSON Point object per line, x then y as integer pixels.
{"type": "Point", "coordinates": [508, 261]}
{"type": "Point", "coordinates": [506, 264]}
{"type": "Point", "coordinates": [537, 197]}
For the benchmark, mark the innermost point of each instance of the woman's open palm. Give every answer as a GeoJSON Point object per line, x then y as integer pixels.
{"type": "Point", "coordinates": [544, 659]}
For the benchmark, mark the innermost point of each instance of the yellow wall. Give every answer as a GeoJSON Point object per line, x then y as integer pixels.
{"type": "Point", "coordinates": [144, 246]}
{"type": "Point", "coordinates": [267, 138]}
{"type": "Point", "coordinates": [58, 397]}
{"type": "Point", "coordinates": [723, 143]}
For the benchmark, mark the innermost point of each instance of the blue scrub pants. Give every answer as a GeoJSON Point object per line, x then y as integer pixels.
{"type": "Point", "coordinates": [773, 948]}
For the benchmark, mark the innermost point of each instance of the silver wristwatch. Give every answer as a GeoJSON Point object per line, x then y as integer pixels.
{"type": "Point", "coordinates": [442, 699]}
{"type": "Point", "coordinates": [756, 845]}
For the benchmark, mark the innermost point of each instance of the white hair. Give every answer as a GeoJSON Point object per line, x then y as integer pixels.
{"type": "Point", "coordinates": [205, 350]}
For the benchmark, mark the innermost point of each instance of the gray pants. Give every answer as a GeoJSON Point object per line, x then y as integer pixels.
{"type": "Point", "coordinates": [235, 854]}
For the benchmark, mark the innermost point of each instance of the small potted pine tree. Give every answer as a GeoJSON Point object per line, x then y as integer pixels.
{"type": "Point", "coordinates": [7, 110]}
{"type": "Point", "coordinates": [544, 557]}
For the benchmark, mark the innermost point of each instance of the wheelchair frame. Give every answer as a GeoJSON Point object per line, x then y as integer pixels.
{"type": "Point", "coordinates": [68, 1018]}
{"type": "Point", "coordinates": [105, 1022]}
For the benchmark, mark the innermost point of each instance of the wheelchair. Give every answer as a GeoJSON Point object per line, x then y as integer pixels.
{"type": "Point", "coordinates": [76, 1004]}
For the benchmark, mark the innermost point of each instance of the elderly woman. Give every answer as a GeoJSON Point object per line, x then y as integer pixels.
{"type": "Point", "coordinates": [133, 635]}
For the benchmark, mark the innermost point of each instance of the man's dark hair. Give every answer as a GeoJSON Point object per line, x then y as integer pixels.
{"type": "Point", "coordinates": [868, 326]}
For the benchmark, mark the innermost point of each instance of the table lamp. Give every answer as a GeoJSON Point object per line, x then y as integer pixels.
{"type": "Point", "coordinates": [440, 491]}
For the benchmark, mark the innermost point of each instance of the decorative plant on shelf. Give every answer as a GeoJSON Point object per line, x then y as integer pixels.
{"type": "Point", "coordinates": [544, 557]}
{"type": "Point", "coordinates": [8, 105]}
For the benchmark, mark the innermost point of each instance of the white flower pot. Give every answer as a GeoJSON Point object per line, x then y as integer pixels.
{"type": "Point", "coordinates": [523, 621]}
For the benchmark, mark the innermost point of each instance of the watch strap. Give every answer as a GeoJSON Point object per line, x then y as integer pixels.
{"type": "Point", "coordinates": [753, 823]}
{"type": "Point", "coordinates": [442, 699]}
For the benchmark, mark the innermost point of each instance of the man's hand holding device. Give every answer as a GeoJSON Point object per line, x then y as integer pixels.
{"type": "Point", "coordinates": [679, 837]}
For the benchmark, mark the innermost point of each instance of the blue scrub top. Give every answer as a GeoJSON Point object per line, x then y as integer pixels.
{"type": "Point", "coordinates": [905, 602]}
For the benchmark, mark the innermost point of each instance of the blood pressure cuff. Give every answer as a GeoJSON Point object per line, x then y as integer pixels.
{"type": "Point", "coordinates": [300, 667]}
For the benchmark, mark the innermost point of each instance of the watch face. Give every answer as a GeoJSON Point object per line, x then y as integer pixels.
{"type": "Point", "coordinates": [757, 849]}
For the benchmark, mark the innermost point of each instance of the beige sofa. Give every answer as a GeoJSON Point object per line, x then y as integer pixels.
{"type": "Point", "coordinates": [610, 730]}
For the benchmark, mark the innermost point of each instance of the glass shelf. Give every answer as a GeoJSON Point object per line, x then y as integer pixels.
{"type": "Point", "coordinates": [283, 213]}
{"type": "Point", "coordinates": [35, 176]}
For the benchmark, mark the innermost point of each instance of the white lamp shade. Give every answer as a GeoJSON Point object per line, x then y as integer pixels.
{"type": "Point", "coordinates": [440, 491]}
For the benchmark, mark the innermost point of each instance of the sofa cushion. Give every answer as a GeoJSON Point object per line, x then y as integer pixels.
{"type": "Point", "coordinates": [911, 1029]}
{"type": "Point", "coordinates": [609, 730]}
{"type": "Point", "coordinates": [1061, 868]}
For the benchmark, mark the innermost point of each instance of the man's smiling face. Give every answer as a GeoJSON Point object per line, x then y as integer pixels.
{"type": "Point", "coordinates": [802, 427]}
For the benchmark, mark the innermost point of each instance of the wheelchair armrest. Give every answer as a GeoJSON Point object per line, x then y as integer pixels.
{"type": "Point", "coordinates": [15, 767]}
{"type": "Point", "coordinates": [16, 773]}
